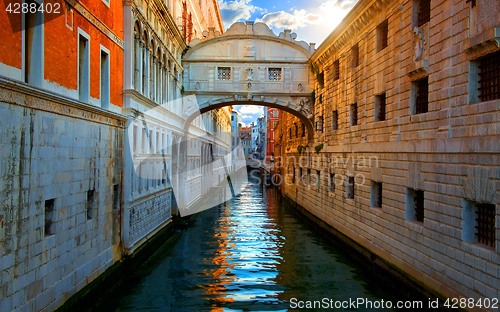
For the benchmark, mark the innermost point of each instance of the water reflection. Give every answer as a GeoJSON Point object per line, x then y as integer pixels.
{"type": "Point", "coordinates": [254, 255]}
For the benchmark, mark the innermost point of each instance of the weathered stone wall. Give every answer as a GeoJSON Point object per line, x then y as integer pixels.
{"type": "Point", "coordinates": [451, 152]}
{"type": "Point", "coordinates": [53, 152]}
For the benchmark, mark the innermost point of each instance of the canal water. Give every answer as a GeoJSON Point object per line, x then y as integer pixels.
{"type": "Point", "coordinates": [255, 254]}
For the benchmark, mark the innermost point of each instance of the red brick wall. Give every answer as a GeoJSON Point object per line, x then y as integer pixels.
{"type": "Point", "coordinates": [61, 46]}
{"type": "Point", "coordinates": [11, 42]}
{"type": "Point", "coordinates": [61, 59]}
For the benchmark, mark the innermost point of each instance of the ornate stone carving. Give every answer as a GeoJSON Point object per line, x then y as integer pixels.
{"type": "Point", "coordinates": [197, 86]}
{"type": "Point", "coordinates": [249, 48]}
{"type": "Point", "coordinates": [148, 215]}
{"type": "Point", "coordinates": [478, 185]}
{"type": "Point", "coordinates": [189, 104]}
{"type": "Point", "coordinates": [299, 87]}
{"type": "Point", "coordinates": [419, 44]}
{"type": "Point", "coordinates": [304, 107]}
{"type": "Point", "coordinates": [249, 75]}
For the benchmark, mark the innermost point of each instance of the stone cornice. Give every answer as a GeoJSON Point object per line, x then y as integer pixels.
{"type": "Point", "coordinates": [96, 22]}
{"type": "Point", "coordinates": [44, 100]}
{"type": "Point", "coordinates": [360, 16]}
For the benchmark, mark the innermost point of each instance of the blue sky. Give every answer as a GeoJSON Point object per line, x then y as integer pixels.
{"type": "Point", "coordinates": [312, 20]}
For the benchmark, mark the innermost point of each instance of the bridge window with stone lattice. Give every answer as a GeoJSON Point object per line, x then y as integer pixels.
{"type": "Point", "coordinates": [274, 74]}
{"type": "Point", "coordinates": [224, 73]}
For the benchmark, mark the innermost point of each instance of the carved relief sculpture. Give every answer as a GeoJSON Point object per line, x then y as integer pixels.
{"type": "Point", "coordinates": [249, 48]}
{"type": "Point", "coordinates": [249, 74]}
{"type": "Point", "coordinates": [419, 42]}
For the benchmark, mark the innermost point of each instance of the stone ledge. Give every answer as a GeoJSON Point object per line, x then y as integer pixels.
{"type": "Point", "coordinates": [29, 91]}
{"type": "Point", "coordinates": [481, 44]}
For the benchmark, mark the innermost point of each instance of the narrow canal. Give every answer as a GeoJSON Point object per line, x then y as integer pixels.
{"type": "Point", "coordinates": [254, 255]}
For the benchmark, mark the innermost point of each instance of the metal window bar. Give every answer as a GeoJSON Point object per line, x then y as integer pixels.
{"type": "Point", "coordinates": [489, 77]}
{"type": "Point", "coordinates": [379, 195]}
{"type": "Point", "coordinates": [335, 120]}
{"type": "Point", "coordinates": [486, 224]}
{"type": "Point", "coordinates": [336, 70]}
{"type": "Point", "coordinates": [424, 12]}
{"type": "Point", "coordinates": [224, 73]}
{"type": "Point", "coordinates": [355, 56]}
{"type": "Point", "coordinates": [303, 130]}
{"type": "Point", "coordinates": [419, 206]}
{"type": "Point", "coordinates": [384, 29]}
{"type": "Point", "coordinates": [381, 111]}
{"type": "Point", "coordinates": [354, 111]}
{"type": "Point", "coordinates": [274, 74]}
{"type": "Point", "coordinates": [422, 101]}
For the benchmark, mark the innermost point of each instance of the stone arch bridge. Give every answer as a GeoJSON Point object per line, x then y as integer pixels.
{"type": "Point", "coordinates": [249, 65]}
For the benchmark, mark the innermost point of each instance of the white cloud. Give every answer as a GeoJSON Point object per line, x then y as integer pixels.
{"type": "Point", "coordinates": [247, 116]}
{"type": "Point", "coordinates": [337, 4]}
{"type": "Point", "coordinates": [336, 10]}
{"type": "Point", "coordinates": [234, 11]}
{"type": "Point", "coordinates": [282, 19]}
{"type": "Point", "coordinates": [250, 109]}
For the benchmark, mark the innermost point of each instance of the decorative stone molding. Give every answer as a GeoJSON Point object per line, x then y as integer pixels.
{"type": "Point", "coordinates": [478, 185]}
{"type": "Point", "coordinates": [414, 176]}
{"type": "Point", "coordinates": [148, 215]}
{"type": "Point", "coordinates": [483, 43]}
{"type": "Point", "coordinates": [250, 29]}
{"type": "Point", "coordinates": [23, 95]}
{"type": "Point", "coordinates": [420, 53]}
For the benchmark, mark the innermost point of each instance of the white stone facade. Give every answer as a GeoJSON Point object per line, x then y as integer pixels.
{"type": "Point", "coordinates": [61, 185]}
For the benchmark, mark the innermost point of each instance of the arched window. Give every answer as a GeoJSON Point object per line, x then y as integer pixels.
{"type": "Point", "coordinates": [144, 62]}
{"type": "Point", "coordinates": [136, 58]}
{"type": "Point", "coordinates": [158, 75]}
{"type": "Point", "coordinates": [151, 70]}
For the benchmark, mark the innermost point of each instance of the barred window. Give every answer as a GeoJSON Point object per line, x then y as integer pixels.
{"type": "Point", "coordinates": [414, 205]}
{"type": "Point", "coordinates": [350, 187]}
{"type": "Point", "coordinates": [303, 129]}
{"type": "Point", "coordinates": [485, 218]}
{"type": "Point", "coordinates": [224, 73]}
{"type": "Point", "coordinates": [336, 70]}
{"type": "Point", "coordinates": [353, 112]}
{"type": "Point", "coordinates": [422, 96]}
{"type": "Point", "coordinates": [424, 12]}
{"type": "Point", "coordinates": [382, 34]}
{"type": "Point", "coordinates": [319, 124]}
{"type": "Point", "coordinates": [335, 120]}
{"type": "Point", "coordinates": [376, 194]}
{"type": "Point", "coordinates": [274, 74]}
{"type": "Point", "coordinates": [355, 56]}
{"type": "Point", "coordinates": [380, 107]}
{"type": "Point", "coordinates": [489, 77]}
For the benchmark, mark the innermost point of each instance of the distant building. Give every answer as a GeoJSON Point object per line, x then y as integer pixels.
{"type": "Point", "coordinates": [246, 140]}
{"type": "Point", "coordinates": [272, 120]}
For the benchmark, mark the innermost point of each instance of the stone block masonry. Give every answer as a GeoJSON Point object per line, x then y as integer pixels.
{"type": "Point", "coordinates": [416, 100]}
{"type": "Point", "coordinates": [59, 180]}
